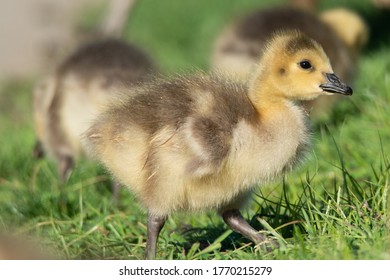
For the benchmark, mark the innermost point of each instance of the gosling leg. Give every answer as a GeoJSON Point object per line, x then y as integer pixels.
{"type": "Point", "coordinates": [65, 165]}
{"type": "Point", "coordinates": [236, 222]}
{"type": "Point", "coordinates": [115, 188]}
{"type": "Point", "coordinates": [38, 151]}
{"type": "Point", "coordinates": [155, 224]}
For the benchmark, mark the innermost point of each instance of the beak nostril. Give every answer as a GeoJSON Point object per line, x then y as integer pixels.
{"type": "Point", "coordinates": [334, 85]}
{"type": "Point", "coordinates": [331, 77]}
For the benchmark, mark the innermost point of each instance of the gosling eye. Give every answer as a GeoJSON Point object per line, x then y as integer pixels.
{"type": "Point", "coordinates": [305, 64]}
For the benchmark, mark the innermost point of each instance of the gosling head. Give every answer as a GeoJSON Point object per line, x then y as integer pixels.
{"type": "Point", "coordinates": [297, 68]}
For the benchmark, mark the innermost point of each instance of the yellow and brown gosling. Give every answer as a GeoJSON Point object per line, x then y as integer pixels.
{"type": "Point", "coordinates": [204, 142]}
{"type": "Point", "coordinates": [238, 48]}
{"type": "Point", "coordinates": [66, 102]}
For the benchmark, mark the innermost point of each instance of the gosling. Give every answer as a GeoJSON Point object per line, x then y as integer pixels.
{"type": "Point", "coordinates": [67, 101]}
{"type": "Point", "coordinates": [202, 142]}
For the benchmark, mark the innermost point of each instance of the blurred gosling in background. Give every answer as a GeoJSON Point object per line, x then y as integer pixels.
{"type": "Point", "coordinates": [66, 102]}
{"type": "Point", "coordinates": [342, 34]}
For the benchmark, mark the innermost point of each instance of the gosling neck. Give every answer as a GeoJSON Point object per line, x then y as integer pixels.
{"type": "Point", "coordinates": [266, 97]}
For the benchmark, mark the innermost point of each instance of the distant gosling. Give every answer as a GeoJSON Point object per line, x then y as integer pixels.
{"type": "Point", "coordinates": [202, 142]}
{"type": "Point", "coordinates": [237, 49]}
{"type": "Point", "coordinates": [350, 28]}
{"type": "Point", "coordinates": [65, 103]}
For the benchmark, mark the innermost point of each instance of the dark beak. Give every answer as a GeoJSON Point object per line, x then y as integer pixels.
{"type": "Point", "coordinates": [334, 85]}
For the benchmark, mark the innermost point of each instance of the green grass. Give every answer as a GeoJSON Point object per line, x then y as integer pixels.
{"type": "Point", "coordinates": [334, 207]}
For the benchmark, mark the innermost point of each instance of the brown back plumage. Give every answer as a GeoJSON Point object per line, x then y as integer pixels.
{"type": "Point", "coordinates": [106, 56]}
